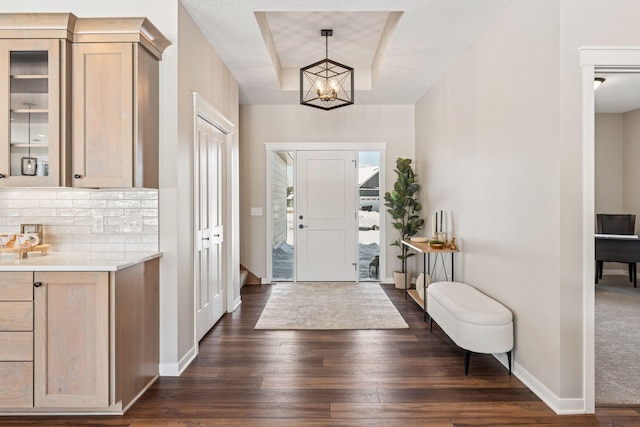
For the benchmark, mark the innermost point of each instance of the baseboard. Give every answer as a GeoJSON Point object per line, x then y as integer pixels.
{"type": "Point", "coordinates": [391, 281]}
{"type": "Point", "coordinates": [139, 395]}
{"type": "Point", "coordinates": [561, 406]}
{"type": "Point", "coordinates": [236, 304]}
{"type": "Point", "coordinates": [176, 369]}
{"type": "Point", "coordinates": [252, 279]}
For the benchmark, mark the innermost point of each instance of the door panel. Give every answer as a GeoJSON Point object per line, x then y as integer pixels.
{"type": "Point", "coordinates": [326, 211]}
{"type": "Point", "coordinates": [209, 285]}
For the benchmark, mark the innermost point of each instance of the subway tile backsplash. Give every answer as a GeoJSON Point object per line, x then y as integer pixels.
{"type": "Point", "coordinates": [67, 217]}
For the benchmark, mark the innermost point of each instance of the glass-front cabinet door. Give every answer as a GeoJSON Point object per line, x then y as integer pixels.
{"type": "Point", "coordinates": [29, 113]}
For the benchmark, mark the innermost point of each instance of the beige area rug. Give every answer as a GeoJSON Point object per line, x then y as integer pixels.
{"type": "Point", "coordinates": [329, 306]}
{"type": "Point", "coordinates": [617, 342]}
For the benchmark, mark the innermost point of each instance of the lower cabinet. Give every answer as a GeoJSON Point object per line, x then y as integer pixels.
{"type": "Point", "coordinates": [16, 340]}
{"type": "Point", "coordinates": [71, 339]}
{"type": "Point", "coordinates": [78, 341]}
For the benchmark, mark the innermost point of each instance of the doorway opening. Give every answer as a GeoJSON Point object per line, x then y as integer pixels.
{"type": "Point", "coordinates": [600, 59]}
{"type": "Point", "coordinates": [324, 220]}
{"type": "Point", "coordinates": [617, 302]}
{"type": "Point", "coordinates": [215, 264]}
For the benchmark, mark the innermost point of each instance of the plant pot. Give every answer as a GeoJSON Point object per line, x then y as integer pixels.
{"type": "Point", "coordinates": [398, 277]}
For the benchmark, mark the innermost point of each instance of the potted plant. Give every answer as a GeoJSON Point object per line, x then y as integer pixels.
{"type": "Point", "coordinates": [404, 207]}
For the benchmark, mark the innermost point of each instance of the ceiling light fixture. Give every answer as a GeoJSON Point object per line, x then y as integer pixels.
{"type": "Point", "coordinates": [326, 84]}
{"type": "Point", "coordinates": [29, 163]}
{"type": "Point", "coordinates": [597, 82]}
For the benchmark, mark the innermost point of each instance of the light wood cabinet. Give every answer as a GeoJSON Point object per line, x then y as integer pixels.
{"type": "Point", "coordinates": [103, 115]}
{"type": "Point", "coordinates": [79, 102]}
{"type": "Point", "coordinates": [17, 384]}
{"type": "Point", "coordinates": [16, 340]}
{"type": "Point", "coordinates": [116, 103]}
{"type": "Point", "coordinates": [80, 341]}
{"type": "Point", "coordinates": [71, 339]}
{"type": "Point", "coordinates": [34, 63]}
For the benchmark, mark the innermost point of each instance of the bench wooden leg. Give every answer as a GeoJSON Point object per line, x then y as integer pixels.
{"type": "Point", "coordinates": [430, 324]}
{"type": "Point", "coordinates": [509, 359]}
{"type": "Point", "coordinates": [467, 355]}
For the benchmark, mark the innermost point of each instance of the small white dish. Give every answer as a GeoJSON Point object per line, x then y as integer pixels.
{"type": "Point", "coordinates": [419, 239]}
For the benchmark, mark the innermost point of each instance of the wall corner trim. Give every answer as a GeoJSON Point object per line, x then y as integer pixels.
{"type": "Point", "coordinates": [176, 369]}
{"type": "Point", "coordinates": [561, 406]}
{"type": "Point", "coordinates": [236, 304]}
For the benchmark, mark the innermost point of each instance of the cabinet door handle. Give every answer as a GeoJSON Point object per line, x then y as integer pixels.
{"type": "Point", "coordinates": [77, 176]}
{"type": "Point", "coordinates": [37, 284]}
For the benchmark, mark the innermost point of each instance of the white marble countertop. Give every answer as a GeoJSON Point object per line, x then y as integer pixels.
{"type": "Point", "coordinates": [70, 261]}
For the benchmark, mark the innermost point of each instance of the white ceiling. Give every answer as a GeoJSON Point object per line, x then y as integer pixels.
{"type": "Point", "coordinates": [619, 93]}
{"type": "Point", "coordinates": [399, 48]}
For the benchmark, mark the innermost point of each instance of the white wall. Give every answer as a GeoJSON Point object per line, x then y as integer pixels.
{"type": "Point", "coordinates": [631, 137]}
{"type": "Point", "coordinates": [499, 139]}
{"type": "Point", "coordinates": [199, 70]}
{"type": "Point", "coordinates": [617, 145]}
{"type": "Point", "coordinates": [583, 23]}
{"type": "Point", "coordinates": [259, 124]}
{"type": "Point", "coordinates": [609, 171]}
{"type": "Point", "coordinates": [486, 146]}
{"type": "Point", "coordinates": [609, 163]}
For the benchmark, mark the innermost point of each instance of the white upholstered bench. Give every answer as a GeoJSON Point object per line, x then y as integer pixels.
{"type": "Point", "coordinates": [474, 321]}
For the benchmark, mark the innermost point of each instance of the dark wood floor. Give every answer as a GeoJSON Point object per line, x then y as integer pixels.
{"type": "Point", "coordinates": [244, 377]}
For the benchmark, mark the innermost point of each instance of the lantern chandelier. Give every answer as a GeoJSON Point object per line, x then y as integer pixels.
{"type": "Point", "coordinates": [326, 84]}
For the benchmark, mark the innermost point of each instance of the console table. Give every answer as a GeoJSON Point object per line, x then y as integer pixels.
{"type": "Point", "coordinates": [426, 251]}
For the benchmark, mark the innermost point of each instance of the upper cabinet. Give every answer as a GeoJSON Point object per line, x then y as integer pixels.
{"type": "Point", "coordinates": [81, 103]}
{"type": "Point", "coordinates": [116, 103]}
{"type": "Point", "coordinates": [33, 100]}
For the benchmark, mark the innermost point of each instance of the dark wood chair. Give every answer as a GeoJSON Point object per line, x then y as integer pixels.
{"type": "Point", "coordinates": [615, 224]}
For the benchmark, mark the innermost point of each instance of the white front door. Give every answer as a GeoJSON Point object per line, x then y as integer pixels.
{"type": "Point", "coordinates": [326, 216]}
{"type": "Point", "coordinates": [210, 298]}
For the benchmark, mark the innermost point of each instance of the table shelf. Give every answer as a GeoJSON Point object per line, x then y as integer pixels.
{"type": "Point", "coordinates": [413, 293]}
{"type": "Point", "coordinates": [426, 250]}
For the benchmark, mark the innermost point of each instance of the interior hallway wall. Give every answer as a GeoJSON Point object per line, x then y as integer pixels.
{"type": "Point", "coordinates": [200, 70]}
{"type": "Point", "coordinates": [609, 163]}
{"type": "Point", "coordinates": [486, 140]}
{"type": "Point", "coordinates": [631, 156]}
{"type": "Point", "coordinates": [259, 124]}
{"type": "Point", "coordinates": [499, 140]}
{"type": "Point", "coordinates": [609, 171]}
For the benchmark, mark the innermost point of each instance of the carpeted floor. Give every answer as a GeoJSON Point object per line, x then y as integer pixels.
{"type": "Point", "coordinates": [617, 341]}
{"type": "Point", "coordinates": [329, 306]}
